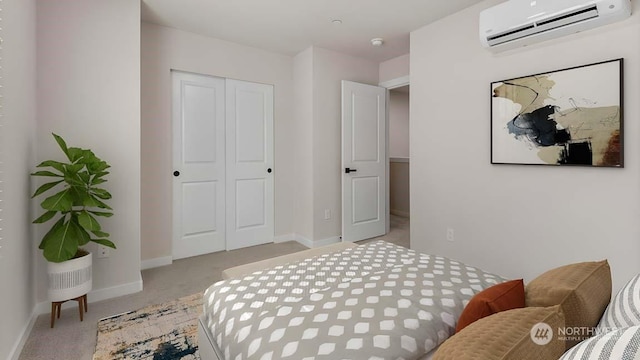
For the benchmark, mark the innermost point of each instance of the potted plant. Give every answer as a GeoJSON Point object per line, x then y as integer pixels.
{"type": "Point", "coordinates": [76, 202]}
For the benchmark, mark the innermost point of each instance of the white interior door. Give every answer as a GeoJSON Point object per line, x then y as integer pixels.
{"type": "Point", "coordinates": [249, 124]}
{"type": "Point", "coordinates": [364, 179]}
{"type": "Point", "coordinates": [199, 164]}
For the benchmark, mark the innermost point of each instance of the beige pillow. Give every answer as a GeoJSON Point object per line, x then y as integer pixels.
{"type": "Point", "coordinates": [583, 290]}
{"type": "Point", "coordinates": [507, 335]}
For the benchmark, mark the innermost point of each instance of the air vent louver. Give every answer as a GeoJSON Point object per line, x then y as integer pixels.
{"type": "Point", "coordinates": [545, 24]}
{"type": "Point", "coordinates": [515, 23]}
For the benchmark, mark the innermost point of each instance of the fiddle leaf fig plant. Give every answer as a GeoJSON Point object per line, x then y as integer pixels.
{"type": "Point", "coordinates": [76, 202]}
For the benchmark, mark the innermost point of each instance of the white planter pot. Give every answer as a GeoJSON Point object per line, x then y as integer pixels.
{"type": "Point", "coordinates": [70, 279]}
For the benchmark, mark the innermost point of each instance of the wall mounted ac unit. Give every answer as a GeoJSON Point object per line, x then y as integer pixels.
{"type": "Point", "coordinates": [522, 22]}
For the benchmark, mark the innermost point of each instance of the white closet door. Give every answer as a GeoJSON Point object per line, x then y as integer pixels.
{"type": "Point", "coordinates": [364, 161]}
{"type": "Point", "coordinates": [199, 164]}
{"type": "Point", "coordinates": [249, 124]}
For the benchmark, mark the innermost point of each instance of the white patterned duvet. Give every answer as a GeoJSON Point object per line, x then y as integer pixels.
{"type": "Point", "coordinates": [374, 301]}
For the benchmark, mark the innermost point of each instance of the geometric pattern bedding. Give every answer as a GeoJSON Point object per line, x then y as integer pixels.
{"type": "Point", "coordinates": [373, 301]}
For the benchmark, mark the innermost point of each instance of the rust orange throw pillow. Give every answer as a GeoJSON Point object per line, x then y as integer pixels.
{"type": "Point", "coordinates": [505, 296]}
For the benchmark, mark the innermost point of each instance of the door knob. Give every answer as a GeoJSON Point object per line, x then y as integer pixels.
{"type": "Point", "coordinates": [348, 170]}
{"type": "Point", "coordinates": [269, 170]}
{"type": "Point", "coordinates": [176, 173]}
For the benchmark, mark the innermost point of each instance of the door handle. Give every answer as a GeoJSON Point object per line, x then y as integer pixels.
{"type": "Point", "coordinates": [176, 173]}
{"type": "Point", "coordinates": [348, 170]}
{"type": "Point", "coordinates": [269, 170]}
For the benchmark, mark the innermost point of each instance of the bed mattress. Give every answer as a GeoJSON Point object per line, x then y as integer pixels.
{"type": "Point", "coordinates": [208, 350]}
{"type": "Point", "coordinates": [374, 301]}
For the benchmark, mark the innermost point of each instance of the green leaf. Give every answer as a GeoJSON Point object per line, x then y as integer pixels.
{"type": "Point", "coordinates": [45, 217]}
{"type": "Point", "coordinates": [45, 187]}
{"type": "Point", "coordinates": [45, 173]}
{"type": "Point", "coordinates": [100, 204]}
{"type": "Point", "coordinates": [75, 154]}
{"type": "Point", "coordinates": [88, 157]}
{"type": "Point", "coordinates": [97, 178]}
{"type": "Point", "coordinates": [85, 177]}
{"type": "Point", "coordinates": [97, 181]}
{"type": "Point", "coordinates": [74, 180]}
{"type": "Point", "coordinates": [49, 234]}
{"type": "Point", "coordinates": [101, 213]}
{"type": "Point", "coordinates": [101, 193]}
{"type": "Point", "coordinates": [73, 168]}
{"type": "Point", "coordinates": [101, 234]}
{"type": "Point", "coordinates": [101, 174]}
{"type": "Point", "coordinates": [98, 167]}
{"type": "Point", "coordinates": [84, 198]}
{"type": "Point", "coordinates": [62, 144]}
{"type": "Point", "coordinates": [90, 201]}
{"type": "Point", "coordinates": [54, 164]}
{"type": "Point", "coordinates": [83, 235]}
{"type": "Point", "coordinates": [76, 226]}
{"type": "Point", "coordinates": [88, 222]}
{"type": "Point", "coordinates": [62, 201]}
{"type": "Point", "coordinates": [104, 242]}
{"type": "Point", "coordinates": [62, 243]}
{"type": "Point", "coordinates": [78, 194]}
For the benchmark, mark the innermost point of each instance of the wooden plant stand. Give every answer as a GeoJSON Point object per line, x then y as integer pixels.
{"type": "Point", "coordinates": [56, 306]}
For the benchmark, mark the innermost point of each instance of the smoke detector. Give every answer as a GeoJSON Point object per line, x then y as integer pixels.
{"type": "Point", "coordinates": [377, 42]}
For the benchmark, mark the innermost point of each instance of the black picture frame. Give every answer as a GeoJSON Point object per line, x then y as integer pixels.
{"type": "Point", "coordinates": [572, 116]}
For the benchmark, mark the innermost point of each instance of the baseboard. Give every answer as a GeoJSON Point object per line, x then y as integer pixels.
{"type": "Point", "coordinates": [96, 295]}
{"type": "Point", "coordinates": [14, 354]}
{"type": "Point", "coordinates": [400, 213]}
{"type": "Point", "coordinates": [317, 243]}
{"type": "Point", "coordinates": [327, 241]}
{"type": "Point", "coordinates": [156, 262]}
{"type": "Point", "coordinates": [284, 238]}
{"type": "Point", "coordinates": [303, 240]}
{"type": "Point", "coordinates": [117, 291]}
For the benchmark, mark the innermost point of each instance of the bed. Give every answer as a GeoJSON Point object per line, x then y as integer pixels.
{"type": "Point", "coordinates": [373, 301]}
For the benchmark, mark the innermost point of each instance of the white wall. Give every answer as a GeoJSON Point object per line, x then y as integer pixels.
{"type": "Point", "coordinates": [394, 68]}
{"type": "Point", "coordinates": [164, 49]}
{"type": "Point", "coordinates": [329, 69]}
{"type": "Point", "coordinates": [398, 124]}
{"type": "Point", "coordinates": [17, 155]}
{"type": "Point", "coordinates": [89, 93]}
{"type": "Point", "coordinates": [515, 220]}
{"type": "Point", "coordinates": [303, 153]}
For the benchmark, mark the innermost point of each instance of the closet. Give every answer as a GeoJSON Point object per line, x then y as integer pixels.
{"type": "Point", "coordinates": [223, 164]}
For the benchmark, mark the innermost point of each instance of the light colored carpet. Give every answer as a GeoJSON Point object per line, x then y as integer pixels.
{"type": "Point", "coordinates": [75, 340]}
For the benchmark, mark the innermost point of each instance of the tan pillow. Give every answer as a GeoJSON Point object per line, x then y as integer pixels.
{"type": "Point", "coordinates": [583, 290]}
{"type": "Point", "coordinates": [507, 335]}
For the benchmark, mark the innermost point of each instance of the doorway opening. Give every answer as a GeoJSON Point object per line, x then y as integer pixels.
{"type": "Point", "coordinates": [399, 151]}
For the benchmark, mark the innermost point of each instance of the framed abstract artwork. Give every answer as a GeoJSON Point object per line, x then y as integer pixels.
{"type": "Point", "coordinates": [565, 117]}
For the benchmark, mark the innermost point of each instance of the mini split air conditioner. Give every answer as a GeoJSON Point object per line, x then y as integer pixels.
{"type": "Point", "coordinates": [518, 23]}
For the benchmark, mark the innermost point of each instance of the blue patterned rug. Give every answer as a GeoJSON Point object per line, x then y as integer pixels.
{"type": "Point", "coordinates": [158, 332]}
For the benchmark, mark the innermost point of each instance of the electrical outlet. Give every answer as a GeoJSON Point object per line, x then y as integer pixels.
{"type": "Point", "coordinates": [103, 252]}
{"type": "Point", "coordinates": [450, 235]}
{"type": "Point", "coordinates": [327, 214]}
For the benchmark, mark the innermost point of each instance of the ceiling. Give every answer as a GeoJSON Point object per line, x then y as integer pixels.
{"type": "Point", "coordinates": [290, 26]}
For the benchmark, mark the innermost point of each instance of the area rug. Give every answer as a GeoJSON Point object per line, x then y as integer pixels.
{"type": "Point", "coordinates": [158, 332]}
